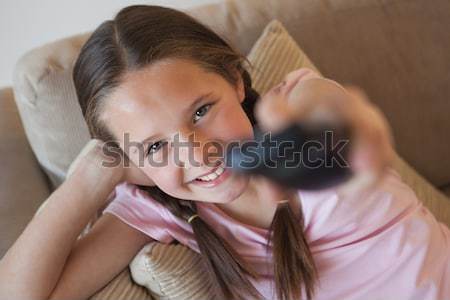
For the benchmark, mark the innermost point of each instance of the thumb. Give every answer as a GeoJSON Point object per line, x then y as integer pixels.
{"type": "Point", "coordinates": [273, 113]}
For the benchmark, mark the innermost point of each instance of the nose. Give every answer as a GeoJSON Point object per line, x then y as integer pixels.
{"type": "Point", "coordinates": [192, 148]}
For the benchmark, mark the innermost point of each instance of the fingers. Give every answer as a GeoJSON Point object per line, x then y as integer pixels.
{"type": "Point", "coordinates": [91, 145]}
{"type": "Point", "coordinates": [272, 113]}
{"type": "Point", "coordinates": [373, 141]}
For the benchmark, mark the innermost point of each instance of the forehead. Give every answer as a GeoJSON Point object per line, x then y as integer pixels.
{"type": "Point", "coordinates": [154, 97]}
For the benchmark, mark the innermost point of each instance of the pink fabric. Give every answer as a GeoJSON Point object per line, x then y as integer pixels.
{"type": "Point", "coordinates": [383, 244]}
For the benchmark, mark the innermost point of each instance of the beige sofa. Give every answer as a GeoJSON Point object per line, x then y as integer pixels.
{"type": "Point", "coordinates": [397, 51]}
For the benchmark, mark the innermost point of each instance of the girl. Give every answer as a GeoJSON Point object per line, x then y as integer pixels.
{"type": "Point", "coordinates": [154, 76]}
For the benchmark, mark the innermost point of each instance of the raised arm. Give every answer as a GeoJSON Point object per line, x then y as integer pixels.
{"type": "Point", "coordinates": [307, 97]}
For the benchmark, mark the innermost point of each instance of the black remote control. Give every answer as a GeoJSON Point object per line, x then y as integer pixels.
{"type": "Point", "coordinates": [301, 156]}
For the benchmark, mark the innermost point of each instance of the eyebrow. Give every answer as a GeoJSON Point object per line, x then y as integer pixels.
{"type": "Point", "coordinates": [185, 111]}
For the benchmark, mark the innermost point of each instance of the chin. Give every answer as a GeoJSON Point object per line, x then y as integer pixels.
{"type": "Point", "coordinates": [235, 190]}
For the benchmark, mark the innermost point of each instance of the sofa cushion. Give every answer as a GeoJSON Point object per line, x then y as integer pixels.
{"type": "Point", "coordinates": [171, 271]}
{"type": "Point", "coordinates": [23, 185]}
{"type": "Point", "coordinates": [48, 106]}
{"type": "Point", "coordinates": [274, 55]}
{"type": "Point", "coordinates": [122, 287]}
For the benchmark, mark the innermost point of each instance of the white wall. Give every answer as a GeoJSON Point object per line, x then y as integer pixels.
{"type": "Point", "coordinates": [25, 24]}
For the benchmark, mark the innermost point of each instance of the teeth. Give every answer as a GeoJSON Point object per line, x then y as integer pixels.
{"type": "Point", "coordinates": [213, 175]}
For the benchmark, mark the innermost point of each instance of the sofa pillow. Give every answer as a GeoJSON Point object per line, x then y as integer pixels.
{"type": "Point", "coordinates": [171, 271]}
{"type": "Point", "coordinates": [122, 287]}
{"type": "Point", "coordinates": [274, 55]}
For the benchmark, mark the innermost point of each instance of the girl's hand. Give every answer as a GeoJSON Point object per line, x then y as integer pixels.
{"type": "Point", "coordinates": [306, 96]}
{"type": "Point", "coordinates": [94, 160]}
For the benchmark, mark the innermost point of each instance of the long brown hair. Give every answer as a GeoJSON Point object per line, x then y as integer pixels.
{"type": "Point", "coordinates": [140, 35]}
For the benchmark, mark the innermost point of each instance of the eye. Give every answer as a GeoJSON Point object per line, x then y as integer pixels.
{"type": "Point", "coordinates": [202, 111]}
{"type": "Point", "coordinates": [153, 148]}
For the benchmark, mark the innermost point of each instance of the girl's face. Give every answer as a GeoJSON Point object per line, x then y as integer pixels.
{"type": "Point", "coordinates": [174, 102]}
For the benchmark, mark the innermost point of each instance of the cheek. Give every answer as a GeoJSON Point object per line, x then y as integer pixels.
{"type": "Point", "coordinates": [167, 178]}
{"type": "Point", "coordinates": [162, 176]}
{"type": "Point", "coordinates": [232, 124]}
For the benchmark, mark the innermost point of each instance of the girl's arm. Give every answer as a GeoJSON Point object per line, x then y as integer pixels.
{"type": "Point", "coordinates": [42, 259]}
{"type": "Point", "coordinates": [32, 266]}
{"type": "Point", "coordinates": [98, 257]}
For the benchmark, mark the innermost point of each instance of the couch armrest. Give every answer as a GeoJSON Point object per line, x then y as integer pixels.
{"type": "Point", "coordinates": [23, 186]}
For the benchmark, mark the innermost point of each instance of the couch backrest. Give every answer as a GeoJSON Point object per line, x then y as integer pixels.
{"type": "Point", "coordinates": [397, 51]}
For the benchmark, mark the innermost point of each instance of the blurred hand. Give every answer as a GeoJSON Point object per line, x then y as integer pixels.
{"type": "Point", "coordinates": [305, 96]}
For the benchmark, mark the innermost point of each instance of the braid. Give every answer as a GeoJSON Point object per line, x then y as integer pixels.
{"type": "Point", "coordinates": [251, 97]}
{"type": "Point", "coordinates": [221, 261]}
{"type": "Point", "coordinates": [293, 262]}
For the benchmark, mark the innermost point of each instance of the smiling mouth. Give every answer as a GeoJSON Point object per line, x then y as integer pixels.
{"type": "Point", "coordinates": [219, 175]}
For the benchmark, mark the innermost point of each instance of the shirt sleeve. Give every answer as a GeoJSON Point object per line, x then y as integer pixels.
{"type": "Point", "coordinates": [137, 209]}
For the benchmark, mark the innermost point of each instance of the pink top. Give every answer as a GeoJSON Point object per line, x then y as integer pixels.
{"type": "Point", "coordinates": [383, 244]}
